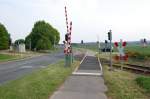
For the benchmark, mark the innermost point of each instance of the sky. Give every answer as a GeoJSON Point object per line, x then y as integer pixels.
{"type": "Point", "coordinates": [92, 19]}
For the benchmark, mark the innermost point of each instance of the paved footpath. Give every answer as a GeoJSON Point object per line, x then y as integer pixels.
{"type": "Point", "coordinates": [85, 83]}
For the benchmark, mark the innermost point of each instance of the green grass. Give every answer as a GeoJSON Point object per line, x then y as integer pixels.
{"type": "Point", "coordinates": [144, 82]}
{"type": "Point", "coordinates": [5, 57]}
{"type": "Point", "coordinates": [122, 85]}
{"type": "Point", "coordinates": [38, 85]}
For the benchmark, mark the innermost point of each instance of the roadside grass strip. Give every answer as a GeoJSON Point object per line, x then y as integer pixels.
{"type": "Point", "coordinates": [5, 57]}
{"type": "Point", "coordinates": [122, 85]}
{"type": "Point", "coordinates": [38, 85]}
{"type": "Point", "coordinates": [144, 82]}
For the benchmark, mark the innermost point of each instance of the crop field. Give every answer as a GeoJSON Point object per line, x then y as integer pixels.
{"type": "Point", "coordinates": [144, 51]}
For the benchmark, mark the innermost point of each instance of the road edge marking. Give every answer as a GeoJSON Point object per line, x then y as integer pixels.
{"type": "Point", "coordinates": [100, 65]}
{"type": "Point", "coordinates": [87, 74]}
{"type": "Point", "coordinates": [79, 64]}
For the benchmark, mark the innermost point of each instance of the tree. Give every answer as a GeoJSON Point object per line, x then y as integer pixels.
{"type": "Point", "coordinates": [42, 45]}
{"type": "Point", "coordinates": [10, 40]}
{"type": "Point", "coordinates": [19, 41]}
{"type": "Point", "coordinates": [42, 36]}
{"type": "Point", "coordinates": [4, 38]}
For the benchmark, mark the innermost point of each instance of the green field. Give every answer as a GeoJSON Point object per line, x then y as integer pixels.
{"type": "Point", "coordinates": [139, 50]}
{"type": "Point", "coordinates": [38, 85]}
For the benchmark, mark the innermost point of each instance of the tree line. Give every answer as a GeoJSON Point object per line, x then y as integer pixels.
{"type": "Point", "coordinates": [42, 37]}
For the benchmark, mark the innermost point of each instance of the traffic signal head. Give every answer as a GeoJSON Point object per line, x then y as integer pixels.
{"type": "Point", "coordinates": [110, 35]}
{"type": "Point", "coordinates": [106, 41]}
{"type": "Point", "coordinates": [144, 40]}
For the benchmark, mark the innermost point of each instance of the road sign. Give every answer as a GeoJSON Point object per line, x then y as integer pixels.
{"type": "Point", "coordinates": [120, 46]}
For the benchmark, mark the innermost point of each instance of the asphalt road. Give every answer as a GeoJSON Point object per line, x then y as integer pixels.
{"type": "Point", "coordinates": [13, 70]}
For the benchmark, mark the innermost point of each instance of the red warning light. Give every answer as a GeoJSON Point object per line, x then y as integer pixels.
{"type": "Point", "coordinates": [124, 44]}
{"type": "Point", "coordinates": [116, 44]}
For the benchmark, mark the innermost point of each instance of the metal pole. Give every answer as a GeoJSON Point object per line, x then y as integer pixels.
{"type": "Point", "coordinates": [30, 44]}
{"type": "Point", "coordinates": [111, 68]}
{"type": "Point", "coordinates": [106, 46]}
{"type": "Point", "coordinates": [111, 54]}
{"type": "Point", "coordinates": [121, 54]}
{"type": "Point", "coordinates": [122, 62]}
{"type": "Point", "coordinates": [98, 44]}
{"type": "Point", "coordinates": [98, 47]}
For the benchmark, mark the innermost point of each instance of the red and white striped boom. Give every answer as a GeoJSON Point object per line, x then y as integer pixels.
{"type": "Point", "coordinates": [66, 19]}
{"type": "Point", "coordinates": [67, 49]}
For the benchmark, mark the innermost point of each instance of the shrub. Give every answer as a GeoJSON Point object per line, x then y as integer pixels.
{"type": "Point", "coordinates": [144, 82]}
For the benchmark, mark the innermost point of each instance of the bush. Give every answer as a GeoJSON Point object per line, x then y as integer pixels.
{"type": "Point", "coordinates": [144, 82]}
{"type": "Point", "coordinates": [136, 55]}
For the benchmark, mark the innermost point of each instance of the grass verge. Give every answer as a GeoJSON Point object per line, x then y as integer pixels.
{"type": "Point", "coordinates": [5, 57]}
{"type": "Point", "coordinates": [122, 85]}
{"type": "Point", "coordinates": [38, 85]}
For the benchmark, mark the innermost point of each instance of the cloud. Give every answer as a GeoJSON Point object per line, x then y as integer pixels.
{"type": "Point", "coordinates": [128, 19]}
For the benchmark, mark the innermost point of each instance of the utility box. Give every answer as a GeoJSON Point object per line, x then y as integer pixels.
{"type": "Point", "coordinates": [11, 48]}
{"type": "Point", "coordinates": [21, 48]}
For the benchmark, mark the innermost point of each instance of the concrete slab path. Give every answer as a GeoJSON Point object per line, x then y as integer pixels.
{"type": "Point", "coordinates": [82, 87]}
{"type": "Point", "coordinates": [79, 86]}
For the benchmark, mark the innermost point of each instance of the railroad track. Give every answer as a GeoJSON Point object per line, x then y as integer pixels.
{"type": "Point", "coordinates": [134, 68]}
{"type": "Point", "coordinates": [131, 67]}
